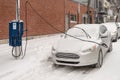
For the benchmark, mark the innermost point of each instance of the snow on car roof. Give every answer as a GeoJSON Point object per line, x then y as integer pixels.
{"type": "Point", "coordinates": [111, 26]}
{"type": "Point", "coordinates": [91, 29]}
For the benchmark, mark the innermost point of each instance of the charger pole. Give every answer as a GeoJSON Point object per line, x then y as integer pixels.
{"type": "Point", "coordinates": [18, 10]}
{"type": "Point", "coordinates": [17, 48]}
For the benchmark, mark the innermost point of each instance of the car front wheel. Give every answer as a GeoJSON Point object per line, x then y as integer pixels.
{"type": "Point", "coordinates": [100, 60]}
{"type": "Point", "coordinates": [110, 47]}
{"type": "Point", "coordinates": [116, 38]}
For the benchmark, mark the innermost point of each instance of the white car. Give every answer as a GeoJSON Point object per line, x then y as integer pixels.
{"type": "Point", "coordinates": [114, 28]}
{"type": "Point", "coordinates": [82, 45]}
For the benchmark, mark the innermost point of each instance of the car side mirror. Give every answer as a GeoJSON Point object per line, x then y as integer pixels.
{"type": "Point", "coordinates": [104, 35]}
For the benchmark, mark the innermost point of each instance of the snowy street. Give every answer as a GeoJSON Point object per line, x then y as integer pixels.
{"type": "Point", "coordinates": [37, 64]}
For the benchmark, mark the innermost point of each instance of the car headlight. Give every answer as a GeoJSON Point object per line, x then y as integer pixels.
{"type": "Point", "coordinates": [89, 49]}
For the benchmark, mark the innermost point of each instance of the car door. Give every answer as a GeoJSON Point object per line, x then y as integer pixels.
{"type": "Point", "coordinates": [105, 37]}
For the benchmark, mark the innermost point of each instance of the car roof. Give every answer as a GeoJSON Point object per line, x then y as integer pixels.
{"type": "Point", "coordinates": [88, 26]}
{"type": "Point", "coordinates": [110, 26]}
{"type": "Point", "coordinates": [91, 29]}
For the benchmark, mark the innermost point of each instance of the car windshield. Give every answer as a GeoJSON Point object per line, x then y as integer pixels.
{"type": "Point", "coordinates": [85, 30]}
{"type": "Point", "coordinates": [92, 30]}
{"type": "Point", "coordinates": [77, 32]}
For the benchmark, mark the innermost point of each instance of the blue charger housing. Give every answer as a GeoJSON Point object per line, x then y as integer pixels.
{"type": "Point", "coordinates": [16, 30]}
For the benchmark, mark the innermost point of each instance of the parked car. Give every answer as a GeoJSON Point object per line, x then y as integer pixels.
{"type": "Point", "coordinates": [114, 28]}
{"type": "Point", "coordinates": [82, 45]}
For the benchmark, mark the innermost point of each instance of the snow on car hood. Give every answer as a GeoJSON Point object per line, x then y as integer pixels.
{"type": "Point", "coordinates": [72, 45]}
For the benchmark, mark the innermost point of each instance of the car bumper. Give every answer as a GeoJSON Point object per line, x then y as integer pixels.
{"type": "Point", "coordinates": [83, 60]}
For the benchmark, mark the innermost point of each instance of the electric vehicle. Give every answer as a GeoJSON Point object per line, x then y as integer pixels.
{"type": "Point", "coordinates": [82, 45]}
{"type": "Point", "coordinates": [114, 28]}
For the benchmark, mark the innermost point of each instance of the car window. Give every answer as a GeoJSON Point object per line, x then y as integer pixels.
{"type": "Point", "coordinates": [103, 29]}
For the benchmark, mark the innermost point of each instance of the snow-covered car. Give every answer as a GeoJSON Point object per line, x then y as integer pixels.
{"type": "Point", "coordinates": [82, 45]}
{"type": "Point", "coordinates": [114, 28]}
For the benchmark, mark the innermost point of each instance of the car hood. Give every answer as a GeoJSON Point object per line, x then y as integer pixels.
{"type": "Point", "coordinates": [72, 45]}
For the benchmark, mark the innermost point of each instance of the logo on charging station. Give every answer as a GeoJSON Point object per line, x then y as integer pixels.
{"type": "Point", "coordinates": [14, 26]}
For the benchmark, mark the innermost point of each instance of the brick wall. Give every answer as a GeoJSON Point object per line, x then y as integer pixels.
{"type": "Point", "coordinates": [72, 8]}
{"type": "Point", "coordinates": [7, 13]}
{"type": "Point", "coordinates": [53, 11]}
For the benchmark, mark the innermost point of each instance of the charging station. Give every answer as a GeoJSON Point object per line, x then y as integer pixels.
{"type": "Point", "coordinates": [15, 33]}
{"type": "Point", "coordinates": [16, 30]}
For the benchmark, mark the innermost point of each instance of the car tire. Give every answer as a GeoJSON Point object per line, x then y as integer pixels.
{"type": "Point", "coordinates": [115, 40]}
{"type": "Point", "coordinates": [110, 47]}
{"type": "Point", "coordinates": [118, 37]}
{"type": "Point", "coordinates": [100, 60]}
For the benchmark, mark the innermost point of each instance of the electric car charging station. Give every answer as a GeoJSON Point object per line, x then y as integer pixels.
{"type": "Point", "coordinates": [16, 30]}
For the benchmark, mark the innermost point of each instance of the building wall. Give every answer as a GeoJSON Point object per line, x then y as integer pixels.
{"type": "Point", "coordinates": [53, 12]}
{"type": "Point", "coordinates": [83, 11]}
{"type": "Point", "coordinates": [72, 8]}
{"type": "Point", "coordinates": [7, 13]}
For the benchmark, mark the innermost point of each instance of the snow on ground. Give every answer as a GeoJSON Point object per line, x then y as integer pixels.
{"type": "Point", "coordinates": [37, 64]}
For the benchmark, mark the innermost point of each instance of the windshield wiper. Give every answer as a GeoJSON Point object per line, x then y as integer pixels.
{"type": "Point", "coordinates": [84, 31]}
